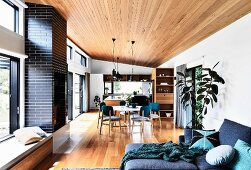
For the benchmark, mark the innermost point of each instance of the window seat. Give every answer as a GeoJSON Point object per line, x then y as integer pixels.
{"type": "Point", "coordinates": [15, 155]}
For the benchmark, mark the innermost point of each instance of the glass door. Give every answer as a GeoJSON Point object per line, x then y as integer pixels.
{"type": "Point", "coordinates": [70, 95]}
{"type": "Point", "coordinates": [4, 96]}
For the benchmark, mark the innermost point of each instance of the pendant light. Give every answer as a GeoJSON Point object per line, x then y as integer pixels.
{"type": "Point", "coordinates": [131, 77]}
{"type": "Point", "coordinates": [115, 72]}
{"type": "Point", "coordinates": [114, 69]}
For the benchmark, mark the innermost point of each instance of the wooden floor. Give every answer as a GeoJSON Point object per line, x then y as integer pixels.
{"type": "Point", "coordinates": [88, 149]}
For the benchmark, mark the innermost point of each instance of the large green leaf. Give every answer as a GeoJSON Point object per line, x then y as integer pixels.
{"type": "Point", "coordinates": [207, 100]}
{"type": "Point", "coordinates": [219, 79]}
{"type": "Point", "coordinates": [205, 111]}
{"type": "Point", "coordinates": [200, 91]}
{"type": "Point", "coordinates": [180, 74]}
{"type": "Point", "coordinates": [186, 89]}
{"type": "Point", "coordinates": [207, 79]}
{"type": "Point", "coordinates": [214, 88]}
{"type": "Point", "coordinates": [214, 97]}
{"type": "Point", "coordinates": [200, 97]}
{"type": "Point", "coordinates": [212, 102]}
{"type": "Point", "coordinates": [213, 74]}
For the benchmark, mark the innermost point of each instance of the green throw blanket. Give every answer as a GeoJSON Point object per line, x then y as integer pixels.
{"type": "Point", "coordinates": [167, 151]}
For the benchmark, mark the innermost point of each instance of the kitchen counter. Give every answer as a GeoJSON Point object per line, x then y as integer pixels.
{"type": "Point", "coordinates": [112, 101]}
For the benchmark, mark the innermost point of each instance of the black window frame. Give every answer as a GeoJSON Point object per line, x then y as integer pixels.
{"type": "Point", "coordinates": [14, 95]}
{"type": "Point", "coordinates": [70, 47]}
{"type": "Point", "coordinates": [16, 15]}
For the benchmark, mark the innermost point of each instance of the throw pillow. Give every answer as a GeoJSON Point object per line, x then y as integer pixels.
{"type": "Point", "coordinates": [204, 139]}
{"type": "Point", "coordinates": [220, 155]}
{"type": "Point", "coordinates": [242, 156]}
{"type": "Point", "coordinates": [29, 135]}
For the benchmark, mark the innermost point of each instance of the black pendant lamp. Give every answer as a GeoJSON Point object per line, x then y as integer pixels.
{"type": "Point", "coordinates": [115, 73]}
{"type": "Point", "coordinates": [131, 77]}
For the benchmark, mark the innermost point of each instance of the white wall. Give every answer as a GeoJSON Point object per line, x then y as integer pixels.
{"type": "Point", "coordinates": [105, 67]}
{"type": "Point", "coordinates": [96, 87]}
{"type": "Point", "coordinates": [232, 47]}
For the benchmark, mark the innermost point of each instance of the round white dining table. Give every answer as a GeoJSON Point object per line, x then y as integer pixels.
{"type": "Point", "coordinates": [127, 110]}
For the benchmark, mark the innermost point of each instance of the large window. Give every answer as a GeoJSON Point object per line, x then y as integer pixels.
{"type": "Point", "coordinates": [9, 95]}
{"type": "Point", "coordinates": [126, 87]}
{"type": "Point", "coordinates": [9, 15]}
{"type": "Point", "coordinates": [69, 52]}
{"type": "Point", "coordinates": [80, 59]}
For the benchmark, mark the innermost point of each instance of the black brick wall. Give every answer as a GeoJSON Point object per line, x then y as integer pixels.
{"type": "Point", "coordinates": [45, 68]}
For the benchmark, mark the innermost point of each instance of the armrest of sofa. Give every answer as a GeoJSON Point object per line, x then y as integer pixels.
{"type": "Point", "coordinates": [181, 139]}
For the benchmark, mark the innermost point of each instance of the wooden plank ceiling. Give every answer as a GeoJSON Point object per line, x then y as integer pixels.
{"type": "Point", "coordinates": [161, 28]}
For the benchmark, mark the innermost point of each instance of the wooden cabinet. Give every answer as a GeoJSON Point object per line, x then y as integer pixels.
{"type": "Point", "coordinates": [164, 89]}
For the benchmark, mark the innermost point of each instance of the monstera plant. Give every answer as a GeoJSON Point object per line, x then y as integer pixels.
{"type": "Point", "coordinates": [206, 93]}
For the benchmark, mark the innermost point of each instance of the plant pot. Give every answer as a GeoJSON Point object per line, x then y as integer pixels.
{"type": "Point", "coordinates": [134, 105]}
{"type": "Point", "coordinates": [188, 133]}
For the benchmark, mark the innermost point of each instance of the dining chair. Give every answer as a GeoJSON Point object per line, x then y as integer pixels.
{"type": "Point", "coordinates": [123, 103]}
{"type": "Point", "coordinates": [108, 116]}
{"type": "Point", "coordinates": [99, 111]}
{"type": "Point", "coordinates": [155, 108]}
{"type": "Point", "coordinates": [144, 116]}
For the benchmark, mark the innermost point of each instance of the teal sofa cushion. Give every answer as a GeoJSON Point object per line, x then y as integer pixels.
{"type": "Point", "coordinates": [204, 139]}
{"type": "Point", "coordinates": [242, 158]}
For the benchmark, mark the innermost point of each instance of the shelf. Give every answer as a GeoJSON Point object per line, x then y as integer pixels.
{"type": "Point", "coordinates": [170, 85]}
{"type": "Point", "coordinates": [165, 76]}
{"type": "Point", "coordinates": [166, 117]}
{"type": "Point", "coordinates": [165, 93]}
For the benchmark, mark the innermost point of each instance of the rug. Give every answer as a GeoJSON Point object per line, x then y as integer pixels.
{"type": "Point", "coordinates": [89, 169]}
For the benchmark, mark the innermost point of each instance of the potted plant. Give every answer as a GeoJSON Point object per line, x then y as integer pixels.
{"type": "Point", "coordinates": [128, 100]}
{"type": "Point", "coordinates": [96, 101]}
{"type": "Point", "coordinates": [106, 90]}
{"type": "Point", "coordinates": [206, 94]}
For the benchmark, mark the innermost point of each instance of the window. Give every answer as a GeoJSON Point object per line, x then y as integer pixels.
{"type": "Point", "coordinates": [9, 15]}
{"type": "Point", "coordinates": [69, 52]}
{"type": "Point", "coordinates": [108, 88]}
{"type": "Point", "coordinates": [83, 61]}
{"type": "Point", "coordinates": [123, 87]}
{"type": "Point", "coordinates": [9, 95]}
{"type": "Point", "coordinates": [80, 59]}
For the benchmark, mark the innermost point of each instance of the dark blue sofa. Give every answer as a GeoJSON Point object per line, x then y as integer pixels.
{"type": "Point", "coordinates": [230, 132]}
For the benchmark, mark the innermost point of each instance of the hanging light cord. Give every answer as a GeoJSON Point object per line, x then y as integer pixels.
{"type": "Point", "coordinates": [113, 39]}
{"type": "Point", "coordinates": [132, 55]}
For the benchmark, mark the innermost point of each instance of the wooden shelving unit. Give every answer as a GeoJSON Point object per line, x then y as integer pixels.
{"type": "Point", "coordinates": [164, 90]}
{"type": "Point", "coordinates": [126, 77]}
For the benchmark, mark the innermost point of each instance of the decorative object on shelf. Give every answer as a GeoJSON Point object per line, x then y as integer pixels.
{"type": "Point", "coordinates": [168, 114]}
{"type": "Point", "coordinates": [106, 90]}
{"type": "Point", "coordinates": [96, 100]}
{"type": "Point", "coordinates": [207, 92]}
{"type": "Point", "coordinates": [115, 72]}
{"type": "Point", "coordinates": [131, 77]}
